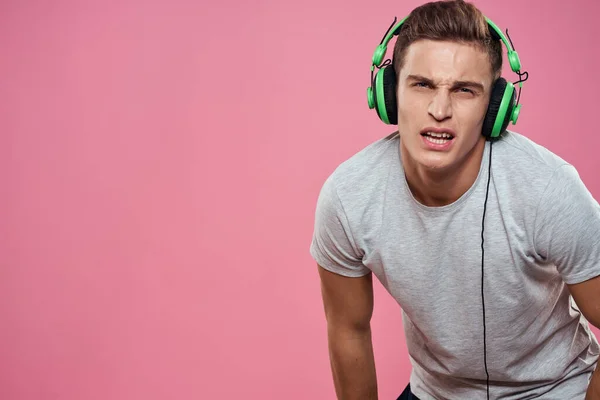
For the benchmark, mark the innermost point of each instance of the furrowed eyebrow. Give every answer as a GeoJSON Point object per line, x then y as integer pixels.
{"type": "Point", "coordinates": [457, 84]}
{"type": "Point", "coordinates": [474, 85]}
{"type": "Point", "coordinates": [420, 79]}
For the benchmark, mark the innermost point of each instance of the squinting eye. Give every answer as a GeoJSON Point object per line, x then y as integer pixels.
{"type": "Point", "coordinates": [421, 84]}
{"type": "Point", "coordinates": [465, 90]}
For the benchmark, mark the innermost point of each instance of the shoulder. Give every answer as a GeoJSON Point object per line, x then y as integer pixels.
{"type": "Point", "coordinates": [344, 207]}
{"type": "Point", "coordinates": [525, 155]}
{"type": "Point", "coordinates": [525, 168]}
{"type": "Point", "coordinates": [365, 170]}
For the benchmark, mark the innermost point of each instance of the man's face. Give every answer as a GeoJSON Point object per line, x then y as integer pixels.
{"type": "Point", "coordinates": [443, 86]}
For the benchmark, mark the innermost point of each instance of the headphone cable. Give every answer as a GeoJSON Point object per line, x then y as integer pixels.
{"type": "Point", "coordinates": [482, 263]}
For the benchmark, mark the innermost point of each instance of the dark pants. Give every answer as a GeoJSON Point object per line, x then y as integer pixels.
{"type": "Point", "coordinates": [407, 394]}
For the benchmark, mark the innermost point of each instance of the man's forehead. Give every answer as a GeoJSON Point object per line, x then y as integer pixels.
{"type": "Point", "coordinates": [446, 61]}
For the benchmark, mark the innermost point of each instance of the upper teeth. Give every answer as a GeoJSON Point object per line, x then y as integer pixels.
{"type": "Point", "coordinates": [439, 135]}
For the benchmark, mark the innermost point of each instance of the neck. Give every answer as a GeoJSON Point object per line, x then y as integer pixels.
{"type": "Point", "coordinates": [442, 187]}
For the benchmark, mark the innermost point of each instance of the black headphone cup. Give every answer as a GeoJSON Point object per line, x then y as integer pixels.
{"type": "Point", "coordinates": [510, 108]}
{"type": "Point", "coordinates": [493, 107]}
{"type": "Point", "coordinates": [389, 94]}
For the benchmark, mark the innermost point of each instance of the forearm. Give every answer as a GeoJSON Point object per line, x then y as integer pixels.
{"type": "Point", "coordinates": [593, 392]}
{"type": "Point", "coordinates": [352, 364]}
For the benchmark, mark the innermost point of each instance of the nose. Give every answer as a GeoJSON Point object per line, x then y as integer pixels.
{"type": "Point", "coordinates": [440, 106]}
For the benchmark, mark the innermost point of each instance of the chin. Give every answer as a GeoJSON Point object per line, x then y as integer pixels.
{"type": "Point", "coordinates": [435, 163]}
{"type": "Point", "coordinates": [430, 160]}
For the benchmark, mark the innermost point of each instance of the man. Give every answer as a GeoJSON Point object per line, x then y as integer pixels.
{"type": "Point", "coordinates": [490, 245]}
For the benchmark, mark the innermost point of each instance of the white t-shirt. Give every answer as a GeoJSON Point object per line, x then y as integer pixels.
{"type": "Point", "coordinates": [542, 230]}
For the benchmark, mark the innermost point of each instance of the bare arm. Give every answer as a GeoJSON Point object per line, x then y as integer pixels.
{"type": "Point", "coordinates": [348, 304]}
{"type": "Point", "coordinates": [587, 296]}
{"type": "Point", "coordinates": [593, 391]}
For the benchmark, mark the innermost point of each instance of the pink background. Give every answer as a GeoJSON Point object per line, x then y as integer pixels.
{"type": "Point", "coordinates": [160, 162]}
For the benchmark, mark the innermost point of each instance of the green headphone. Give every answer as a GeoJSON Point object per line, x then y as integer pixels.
{"type": "Point", "coordinates": [503, 106]}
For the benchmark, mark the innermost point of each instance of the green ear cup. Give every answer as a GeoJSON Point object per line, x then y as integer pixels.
{"type": "Point", "coordinates": [370, 97]}
{"type": "Point", "coordinates": [505, 110]}
{"type": "Point", "coordinates": [384, 95]}
{"type": "Point", "coordinates": [379, 96]}
{"type": "Point", "coordinates": [499, 108]}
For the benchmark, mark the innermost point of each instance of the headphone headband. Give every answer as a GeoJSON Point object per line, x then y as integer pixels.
{"type": "Point", "coordinates": [513, 57]}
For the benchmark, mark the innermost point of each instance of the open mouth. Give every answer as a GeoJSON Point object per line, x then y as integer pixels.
{"type": "Point", "coordinates": [437, 138]}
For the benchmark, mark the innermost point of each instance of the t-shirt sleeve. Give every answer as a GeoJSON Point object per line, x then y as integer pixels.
{"type": "Point", "coordinates": [567, 228]}
{"type": "Point", "coordinates": [333, 246]}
